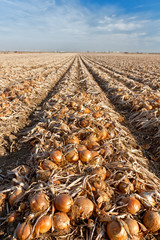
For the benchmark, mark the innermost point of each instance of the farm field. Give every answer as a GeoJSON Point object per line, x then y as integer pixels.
{"type": "Point", "coordinates": [79, 146]}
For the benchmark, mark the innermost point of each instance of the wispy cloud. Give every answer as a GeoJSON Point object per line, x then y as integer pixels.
{"type": "Point", "coordinates": [69, 25]}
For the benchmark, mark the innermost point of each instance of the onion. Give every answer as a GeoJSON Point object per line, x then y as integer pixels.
{"type": "Point", "coordinates": [81, 148]}
{"type": "Point", "coordinates": [85, 156]}
{"type": "Point", "coordinates": [39, 202]}
{"type": "Point", "coordinates": [48, 165]}
{"type": "Point", "coordinates": [72, 140]}
{"type": "Point", "coordinates": [56, 156]}
{"type": "Point", "coordinates": [115, 231]}
{"type": "Point", "coordinates": [72, 155]}
{"type": "Point", "coordinates": [92, 138]}
{"type": "Point", "coordinates": [92, 145]}
{"type": "Point", "coordinates": [43, 225]}
{"type": "Point", "coordinates": [151, 221]}
{"type": "Point", "coordinates": [103, 134]}
{"type": "Point", "coordinates": [85, 207]}
{"type": "Point", "coordinates": [61, 221]}
{"type": "Point", "coordinates": [17, 193]}
{"type": "Point", "coordinates": [23, 231]}
{"type": "Point", "coordinates": [133, 205]}
{"type": "Point", "coordinates": [63, 202]}
{"type": "Point", "coordinates": [133, 226]}
{"type": "Point", "coordinates": [100, 172]}
{"type": "Point", "coordinates": [125, 186]}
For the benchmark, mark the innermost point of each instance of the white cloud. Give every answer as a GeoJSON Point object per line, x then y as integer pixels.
{"type": "Point", "coordinates": [67, 25]}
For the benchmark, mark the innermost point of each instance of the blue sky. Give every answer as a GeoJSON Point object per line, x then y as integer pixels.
{"type": "Point", "coordinates": [80, 25]}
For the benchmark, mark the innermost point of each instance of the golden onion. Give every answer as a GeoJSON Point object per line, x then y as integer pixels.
{"type": "Point", "coordinates": [61, 221]}
{"type": "Point", "coordinates": [23, 231]}
{"type": "Point", "coordinates": [39, 202]}
{"type": "Point", "coordinates": [63, 202]}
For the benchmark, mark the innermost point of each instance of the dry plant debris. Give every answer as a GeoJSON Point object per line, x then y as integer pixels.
{"type": "Point", "coordinates": [86, 176]}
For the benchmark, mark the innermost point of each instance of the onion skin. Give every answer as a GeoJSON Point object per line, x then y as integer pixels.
{"type": "Point", "coordinates": [125, 186]}
{"type": "Point", "coordinates": [39, 202]}
{"type": "Point", "coordinates": [56, 156]}
{"type": "Point", "coordinates": [63, 203]}
{"type": "Point", "coordinates": [151, 221]}
{"type": "Point", "coordinates": [115, 231]}
{"type": "Point", "coordinates": [81, 148]}
{"type": "Point", "coordinates": [15, 195]}
{"type": "Point", "coordinates": [85, 206]}
{"type": "Point", "coordinates": [85, 156]}
{"type": "Point", "coordinates": [43, 225]}
{"type": "Point", "coordinates": [133, 226]}
{"type": "Point", "coordinates": [73, 140]}
{"type": "Point", "coordinates": [61, 221]}
{"type": "Point", "coordinates": [133, 205]}
{"type": "Point", "coordinates": [48, 165]}
{"type": "Point", "coordinates": [72, 156]}
{"type": "Point", "coordinates": [23, 231]}
{"type": "Point", "coordinates": [103, 134]}
{"type": "Point", "coordinates": [92, 145]}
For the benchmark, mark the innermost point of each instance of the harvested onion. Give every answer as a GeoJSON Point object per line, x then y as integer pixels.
{"type": "Point", "coordinates": [152, 221]}
{"type": "Point", "coordinates": [61, 221]}
{"type": "Point", "coordinates": [133, 205]}
{"type": "Point", "coordinates": [39, 202]}
{"type": "Point", "coordinates": [63, 202]}
{"type": "Point", "coordinates": [116, 231]}
{"type": "Point", "coordinates": [43, 225]}
{"type": "Point", "coordinates": [133, 226]}
{"type": "Point", "coordinates": [48, 165]}
{"type": "Point", "coordinates": [23, 231]}
{"type": "Point", "coordinates": [85, 207]}
{"type": "Point", "coordinates": [72, 155]}
{"type": "Point", "coordinates": [85, 156]}
{"type": "Point", "coordinates": [72, 140]}
{"type": "Point", "coordinates": [125, 186]}
{"type": "Point", "coordinates": [17, 193]}
{"type": "Point", "coordinates": [56, 156]}
{"type": "Point", "coordinates": [92, 145]}
{"type": "Point", "coordinates": [103, 134]}
{"type": "Point", "coordinates": [81, 148]}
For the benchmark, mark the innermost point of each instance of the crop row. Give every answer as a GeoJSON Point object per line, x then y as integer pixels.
{"type": "Point", "coordinates": [141, 68]}
{"type": "Point", "coordinates": [29, 85]}
{"type": "Point", "coordinates": [140, 104]}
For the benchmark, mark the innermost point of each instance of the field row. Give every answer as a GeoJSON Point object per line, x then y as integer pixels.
{"type": "Point", "coordinates": [26, 81]}
{"type": "Point", "coordinates": [138, 102]}
{"type": "Point", "coordinates": [143, 68]}
{"type": "Point", "coordinates": [85, 177]}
